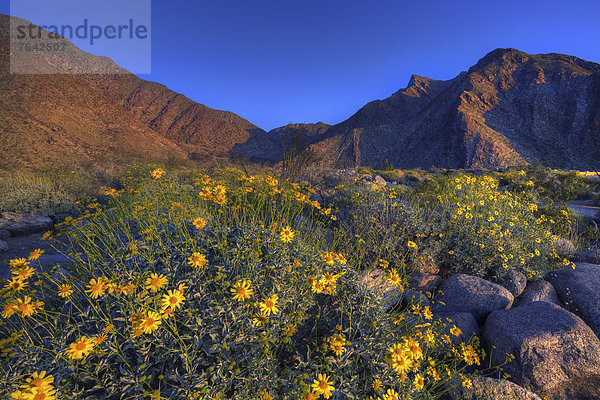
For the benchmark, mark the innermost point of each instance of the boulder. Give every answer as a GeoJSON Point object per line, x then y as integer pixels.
{"type": "Point", "coordinates": [376, 282]}
{"type": "Point", "coordinates": [539, 290]}
{"type": "Point", "coordinates": [553, 349]}
{"type": "Point", "coordinates": [464, 321]}
{"type": "Point", "coordinates": [24, 224]}
{"type": "Point", "coordinates": [485, 388]}
{"type": "Point", "coordinates": [4, 234]}
{"type": "Point", "coordinates": [3, 246]}
{"type": "Point", "coordinates": [466, 293]}
{"type": "Point", "coordinates": [379, 180]}
{"type": "Point", "coordinates": [579, 290]}
{"type": "Point", "coordinates": [514, 281]}
{"type": "Point", "coordinates": [424, 282]}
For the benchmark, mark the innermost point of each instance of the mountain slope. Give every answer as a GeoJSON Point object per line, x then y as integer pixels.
{"type": "Point", "coordinates": [53, 119]}
{"type": "Point", "coordinates": [511, 108]}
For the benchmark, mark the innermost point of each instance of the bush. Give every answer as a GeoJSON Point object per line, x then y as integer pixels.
{"type": "Point", "coordinates": [26, 193]}
{"type": "Point", "coordinates": [489, 230]}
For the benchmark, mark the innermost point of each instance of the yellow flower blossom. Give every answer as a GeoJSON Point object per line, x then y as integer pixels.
{"type": "Point", "coordinates": [287, 235]}
{"type": "Point", "coordinates": [269, 305]}
{"type": "Point", "coordinates": [80, 348]}
{"type": "Point", "coordinates": [155, 282]}
{"type": "Point", "coordinates": [197, 260]}
{"type": "Point", "coordinates": [241, 290]}
{"type": "Point", "coordinates": [322, 386]}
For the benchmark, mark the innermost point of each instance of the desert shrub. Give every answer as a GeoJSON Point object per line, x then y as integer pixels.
{"type": "Point", "coordinates": [379, 223]}
{"type": "Point", "coordinates": [364, 170]}
{"type": "Point", "coordinates": [391, 175]}
{"type": "Point", "coordinates": [221, 286]}
{"type": "Point", "coordinates": [488, 229]}
{"type": "Point", "coordinates": [27, 193]}
{"type": "Point", "coordinates": [540, 183]}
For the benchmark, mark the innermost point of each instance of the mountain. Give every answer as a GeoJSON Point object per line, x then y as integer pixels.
{"type": "Point", "coordinates": [298, 134]}
{"type": "Point", "coordinates": [511, 108]}
{"type": "Point", "coordinates": [49, 118]}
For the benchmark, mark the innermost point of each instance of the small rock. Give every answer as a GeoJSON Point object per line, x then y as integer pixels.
{"type": "Point", "coordinates": [376, 281]}
{"type": "Point", "coordinates": [553, 348]}
{"type": "Point", "coordinates": [3, 246]}
{"type": "Point", "coordinates": [564, 247]}
{"type": "Point", "coordinates": [514, 281]}
{"type": "Point", "coordinates": [466, 293]}
{"type": "Point", "coordinates": [424, 282]}
{"type": "Point", "coordinates": [539, 290]}
{"type": "Point", "coordinates": [24, 224]}
{"type": "Point", "coordinates": [4, 234]}
{"type": "Point", "coordinates": [490, 389]}
{"type": "Point", "coordinates": [379, 180]}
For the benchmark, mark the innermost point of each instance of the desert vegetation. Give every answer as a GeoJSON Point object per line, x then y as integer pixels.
{"type": "Point", "coordinates": [225, 284]}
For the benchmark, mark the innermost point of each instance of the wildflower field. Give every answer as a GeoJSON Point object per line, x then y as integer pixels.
{"type": "Point", "coordinates": [191, 285]}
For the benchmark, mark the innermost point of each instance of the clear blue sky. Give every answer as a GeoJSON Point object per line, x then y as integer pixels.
{"type": "Point", "coordinates": [279, 61]}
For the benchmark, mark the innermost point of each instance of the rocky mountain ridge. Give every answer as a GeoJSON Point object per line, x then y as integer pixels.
{"type": "Point", "coordinates": [511, 108]}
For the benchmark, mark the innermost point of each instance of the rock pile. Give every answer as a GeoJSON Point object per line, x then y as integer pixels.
{"type": "Point", "coordinates": [551, 326]}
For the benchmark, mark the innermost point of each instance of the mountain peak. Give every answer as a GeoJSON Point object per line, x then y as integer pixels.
{"type": "Point", "coordinates": [416, 80]}
{"type": "Point", "coordinates": [500, 56]}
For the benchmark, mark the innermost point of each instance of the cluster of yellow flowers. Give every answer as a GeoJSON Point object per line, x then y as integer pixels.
{"type": "Point", "coordinates": [213, 191]}
{"type": "Point", "coordinates": [148, 321]}
{"type": "Point", "coordinates": [21, 271]}
{"type": "Point", "coordinates": [242, 291]}
{"type": "Point", "coordinates": [326, 283]}
{"type": "Point", "coordinates": [337, 343]}
{"type": "Point", "coordinates": [331, 258]}
{"type": "Point", "coordinates": [267, 307]}
{"type": "Point", "coordinates": [467, 353]}
{"type": "Point", "coordinates": [404, 357]}
{"type": "Point", "coordinates": [38, 387]}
